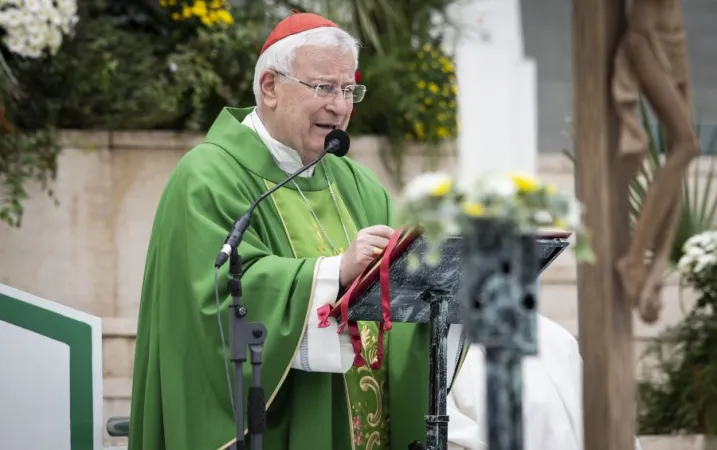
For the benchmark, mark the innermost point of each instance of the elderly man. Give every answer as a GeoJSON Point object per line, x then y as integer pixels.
{"type": "Point", "coordinates": [306, 242]}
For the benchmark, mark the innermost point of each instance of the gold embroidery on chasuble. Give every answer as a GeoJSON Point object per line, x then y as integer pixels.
{"type": "Point", "coordinates": [366, 388]}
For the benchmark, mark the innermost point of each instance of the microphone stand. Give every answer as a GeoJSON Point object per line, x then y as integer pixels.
{"type": "Point", "coordinates": [253, 335]}
{"type": "Point", "coordinates": [243, 334]}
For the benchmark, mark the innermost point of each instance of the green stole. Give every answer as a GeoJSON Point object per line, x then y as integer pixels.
{"type": "Point", "coordinates": [366, 389]}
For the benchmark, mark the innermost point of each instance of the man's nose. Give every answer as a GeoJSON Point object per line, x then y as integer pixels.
{"type": "Point", "coordinates": [339, 105]}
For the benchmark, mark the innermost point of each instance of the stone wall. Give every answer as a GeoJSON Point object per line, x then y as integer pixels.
{"type": "Point", "coordinates": [88, 252]}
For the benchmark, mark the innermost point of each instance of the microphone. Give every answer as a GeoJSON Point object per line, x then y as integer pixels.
{"type": "Point", "coordinates": [337, 142]}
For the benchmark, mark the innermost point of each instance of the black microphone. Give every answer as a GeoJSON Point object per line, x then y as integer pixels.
{"type": "Point", "coordinates": [337, 142]}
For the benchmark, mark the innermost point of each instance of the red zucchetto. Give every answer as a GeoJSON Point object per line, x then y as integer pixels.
{"type": "Point", "coordinates": [296, 23]}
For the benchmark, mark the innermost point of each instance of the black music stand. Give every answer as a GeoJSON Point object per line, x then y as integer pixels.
{"type": "Point", "coordinates": [453, 291]}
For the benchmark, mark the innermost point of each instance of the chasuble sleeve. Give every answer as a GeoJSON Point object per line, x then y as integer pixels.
{"type": "Point", "coordinates": [182, 343]}
{"type": "Point", "coordinates": [323, 349]}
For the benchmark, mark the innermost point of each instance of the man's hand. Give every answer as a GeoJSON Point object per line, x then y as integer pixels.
{"type": "Point", "coordinates": [368, 244]}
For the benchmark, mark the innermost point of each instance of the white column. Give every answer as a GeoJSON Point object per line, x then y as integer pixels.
{"type": "Point", "coordinates": [496, 91]}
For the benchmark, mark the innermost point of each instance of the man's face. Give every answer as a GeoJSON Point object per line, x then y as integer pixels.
{"type": "Point", "coordinates": [305, 117]}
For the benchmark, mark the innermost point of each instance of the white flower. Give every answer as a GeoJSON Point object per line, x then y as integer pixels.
{"type": "Point", "coordinates": [574, 216]}
{"type": "Point", "coordinates": [543, 217]}
{"type": "Point", "coordinates": [36, 27]}
{"type": "Point", "coordinates": [705, 262]}
{"type": "Point", "coordinates": [34, 6]}
{"type": "Point", "coordinates": [684, 265]}
{"type": "Point", "coordinates": [427, 185]}
{"type": "Point", "coordinates": [700, 255]}
{"type": "Point", "coordinates": [501, 187]}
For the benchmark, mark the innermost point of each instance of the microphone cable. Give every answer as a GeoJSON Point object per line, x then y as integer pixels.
{"type": "Point", "coordinates": [224, 345]}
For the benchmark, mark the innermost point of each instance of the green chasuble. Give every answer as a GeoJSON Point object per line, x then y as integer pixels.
{"type": "Point", "coordinates": [180, 398]}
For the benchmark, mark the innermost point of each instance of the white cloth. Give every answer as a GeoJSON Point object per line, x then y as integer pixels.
{"type": "Point", "coordinates": [321, 349]}
{"type": "Point", "coordinates": [552, 396]}
{"type": "Point", "coordinates": [552, 411]}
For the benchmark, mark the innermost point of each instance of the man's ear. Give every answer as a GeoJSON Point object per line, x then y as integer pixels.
{"type": "Point", "coordinates": [267, 83]}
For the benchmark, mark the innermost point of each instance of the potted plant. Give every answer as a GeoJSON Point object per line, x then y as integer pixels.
{"type": "Point", "coordinates": [679, 393]}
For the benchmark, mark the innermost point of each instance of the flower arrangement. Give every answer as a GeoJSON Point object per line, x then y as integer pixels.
{"type": "Point", "coordinates": [431, 111]}
{"type": "Point", "coordinates": [33, 28]}
{"type": "Point", "coordinates": [698, 266]}
{"type": "Point", "coordinates": [434, 203]}
{"type": "Point", "coordinates": [680, 376]}
{"type": "Point", "coordinates": [207, 12]}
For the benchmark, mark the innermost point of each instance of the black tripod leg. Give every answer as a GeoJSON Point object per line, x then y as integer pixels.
{"type": "Point", "coordinates": [256, 407]}
{"type": "Point", "coordinates": [437, 419]}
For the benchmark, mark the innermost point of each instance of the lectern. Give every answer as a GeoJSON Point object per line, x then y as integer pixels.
{"type": "Point", "coordinates": [485, 281]}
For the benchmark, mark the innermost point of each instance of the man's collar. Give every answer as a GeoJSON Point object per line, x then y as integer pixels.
{"type": "Point", "coordinates": [239, 141]}
{"type": "Point", "coordinates": [286, 157]}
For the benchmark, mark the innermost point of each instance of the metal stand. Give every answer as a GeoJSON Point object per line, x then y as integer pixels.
{"type": "Point", "coordinates": [243, 334]}
{"type": "Point", "coordinates": [501, 301]}
{"type": "Point", "coordinates": [437, 417]}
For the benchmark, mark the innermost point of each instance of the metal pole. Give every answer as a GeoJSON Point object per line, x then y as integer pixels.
{"type": "Point", "coordinates": [499, 294]}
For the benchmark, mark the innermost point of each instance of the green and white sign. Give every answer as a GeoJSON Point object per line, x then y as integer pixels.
{"type": "Point", "coordinates": [50, 375]}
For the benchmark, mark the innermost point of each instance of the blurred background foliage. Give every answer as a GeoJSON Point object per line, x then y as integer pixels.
{"type": "Point", "coordinates": [173, 64]}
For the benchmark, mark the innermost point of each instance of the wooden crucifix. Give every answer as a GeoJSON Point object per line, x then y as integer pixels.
{"type": "Point", "coordinates": [652, 63]}
{"type": "Point", "coordinates": [604, 312]}
{"type": "Point", "coordinates": [619, 58]}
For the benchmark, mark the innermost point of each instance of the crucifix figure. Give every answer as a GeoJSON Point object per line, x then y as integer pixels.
{"type": "Point", "coordinates": [652, 60]}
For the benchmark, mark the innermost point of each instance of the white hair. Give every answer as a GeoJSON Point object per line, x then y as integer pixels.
{"type": "Point", "coordinates": [280, 56]}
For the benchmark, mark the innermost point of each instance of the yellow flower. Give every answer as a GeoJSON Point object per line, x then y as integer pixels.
{"type": "Point", "coordinates": [225, 16]}
{"type": "Point", "coordinates": [443, 133]}
{"type": "Point", "coordinates": [524, 183]}
{"type": "Point", "coordinates": [433, 87]}
{"type": "Point", "coordinates": [442, 188]}
{"type": "Point", "coordinates": [176, 16]}
{"type": "Point", "coordinates": [473, 209]}
{"type": "Point", "coordinates": [420, 132]}
{"type": "Point", "coordinates": [200, 8]}
{"type": "Point", "coordinates": [421, 84]}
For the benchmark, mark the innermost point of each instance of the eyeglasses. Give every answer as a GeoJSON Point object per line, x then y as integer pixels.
{"type": "Point", "coordinates": [355, 92]}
